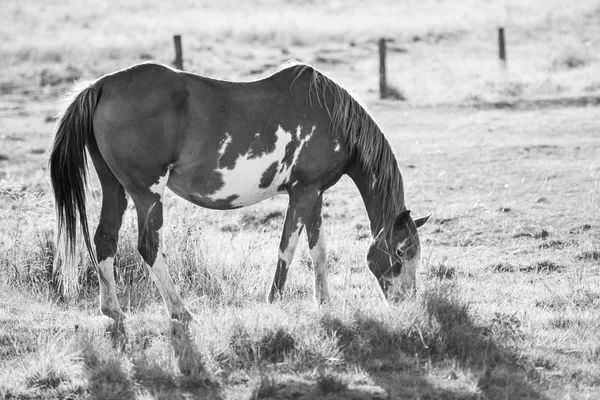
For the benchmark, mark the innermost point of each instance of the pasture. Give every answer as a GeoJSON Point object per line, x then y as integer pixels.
{"type": "Point", "coordinates": [508, 298]}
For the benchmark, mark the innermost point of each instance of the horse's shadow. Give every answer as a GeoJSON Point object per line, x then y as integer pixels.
{"type": "Point", "coordinates": [499, 370]}
{"type": "Point", "coordinates": [192, 382]}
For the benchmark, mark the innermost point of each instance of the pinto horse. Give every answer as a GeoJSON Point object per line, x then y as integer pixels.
{"type": "Point", "coordinates": [224, 145]}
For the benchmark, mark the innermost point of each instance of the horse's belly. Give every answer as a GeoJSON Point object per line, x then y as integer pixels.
{"type": "Point", "coordinates": [242, 178]}
{"type": "Point", "coordinates": [246, 196]}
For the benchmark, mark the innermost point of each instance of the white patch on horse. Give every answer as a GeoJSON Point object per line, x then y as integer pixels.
{"type": "Point", "coordinates": [318, 254]}
{"type": "Point", "coordinates": [224, 143]}
{"type": "Point", "coordinates": [158, 270]}
{"type": "Point", "coordinates": [408, 279]}
{"type": "Point", "coordinates": [287, 254]}
{"type": "Point", "coordinates": [337, 146]}
{"type": "Point", "coordinates": [164, 283]}
{"type": "Point", "coordinates": [287, 170]}
{"type": "Point", "coordinates": [159, 186]}
{"type": "Point", "coordinates": [244, 179]}
{"type": "Point", "coordinates": [108, 294]}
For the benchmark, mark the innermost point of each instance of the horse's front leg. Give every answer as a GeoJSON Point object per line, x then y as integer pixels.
{"type": "Point", "coordinates": [301, 204]}
{"type": "Point", "coordinates": [318, 252]}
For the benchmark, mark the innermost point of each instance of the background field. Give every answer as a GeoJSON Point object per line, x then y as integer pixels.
{"type": "Point", "coordinates": [508, 304]}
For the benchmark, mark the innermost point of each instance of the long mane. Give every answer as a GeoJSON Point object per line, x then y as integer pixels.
{"type": "Point", "coordinates": [361, 135]}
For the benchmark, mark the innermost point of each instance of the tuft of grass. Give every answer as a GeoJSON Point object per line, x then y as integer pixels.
{"type": "Point", "coordinates": [52, 367]}
{"type": "Point", "coordinates": [242, 346]}
{"type": "Point", "coordinates": [442, 271]}
{"type": "Point", "coordinates": [274, 345]}
{"type": "Point", "coordinates": [571, 59]}
{"type": "Point", "coordinates": [543, 266]}
{"type": "Point", "coordinates": [579, 300]}
{"type": "Point", "coordinates": [502, 267]}
{"type": "Point", "coordinates": [532, 233]}
{"type": "Point", "coordinates": [564, 323]}
{"type": "Point", "coordinates": [331, 384]}
{"type": "Point", "coordinates": [589, 255]}
{"type": "Point", "coordinates": [553, 244]}
{"type": "Point", "coordinates": [258, 221]}
{"type": "Point", "coordinates": [580, 228]}
{"type": "Point", "coordinates": [394, 93]}
{"type": "Point", "coordinates": [112, 379]}
{"type": "Point", "coordinates": [592, 87]}
{"type": "Point", "coordinates": [267, 388]}
{"type": "Point", "coordinates": [505, 326]}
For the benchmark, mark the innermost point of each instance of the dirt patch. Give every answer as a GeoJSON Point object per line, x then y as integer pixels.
{"type": "Point", "coordinates": [502, 267]}
{"type": "Point", "coordinates": [261, 220]}
{"type": "Point", "coordinates": [581, 228]}
{"type": "Point", "coordinates": [533, 104]}
{"type": "Point", "coordinates": [589, 255]}
{"type": "Point", "coordinates": [555, 244]}
{"type": "Point", "coordinates": [532, 233]}
{"type": "Point", "coordinates": [544, 266]}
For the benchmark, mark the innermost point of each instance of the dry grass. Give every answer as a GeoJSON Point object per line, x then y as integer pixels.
{"type": "Point", "coordinates": [507, 305]}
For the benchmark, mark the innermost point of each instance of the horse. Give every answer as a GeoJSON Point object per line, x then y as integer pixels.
{"type": "Point", "coordinates": [224, 145]}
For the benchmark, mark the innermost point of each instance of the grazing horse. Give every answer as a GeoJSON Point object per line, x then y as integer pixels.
{"type": "Point", "coordinates": [224, 145]}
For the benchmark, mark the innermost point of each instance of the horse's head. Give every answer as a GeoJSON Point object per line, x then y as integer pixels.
{"type": "Point", "coordinates": [397, 253]}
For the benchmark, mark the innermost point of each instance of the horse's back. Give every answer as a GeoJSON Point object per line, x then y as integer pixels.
{"type": "Point", "coordinates": [227, 144]}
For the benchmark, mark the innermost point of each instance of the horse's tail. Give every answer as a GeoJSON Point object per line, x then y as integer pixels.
{"type": "Point", "coordinates": [68, 173]}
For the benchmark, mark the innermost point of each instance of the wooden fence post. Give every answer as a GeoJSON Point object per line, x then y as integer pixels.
{"type": "Point", "coordinates": [382, 72]}
{"type": "Point", "coordinates": [178, 52]}
{"type": "Point", "coordinates": [501, 45]}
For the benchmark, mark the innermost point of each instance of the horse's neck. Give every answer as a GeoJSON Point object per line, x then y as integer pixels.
{"type": "Point", "coordinates": [364, 181]}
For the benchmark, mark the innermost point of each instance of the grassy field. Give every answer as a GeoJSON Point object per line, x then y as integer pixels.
{"type": "Point", "coordinates": [508, 299]}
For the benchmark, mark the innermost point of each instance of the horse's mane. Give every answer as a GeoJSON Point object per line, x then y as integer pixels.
{"type": "Point", "coordinates": [361, 135]}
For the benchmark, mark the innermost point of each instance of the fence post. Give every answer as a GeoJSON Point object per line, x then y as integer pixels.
{"type": "Point", "coordinates": [382, 72]}
{"type": "Point", "coordinates": [178, 52]}
{"type": "Point", "coordinates": [501, 45]}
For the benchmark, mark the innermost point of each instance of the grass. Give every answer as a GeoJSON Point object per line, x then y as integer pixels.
{"type": "Point", "coordinates": [496, 312]}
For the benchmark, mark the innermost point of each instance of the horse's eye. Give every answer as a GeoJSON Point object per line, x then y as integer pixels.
{"type": "Point", "coordinates": [399, 253]}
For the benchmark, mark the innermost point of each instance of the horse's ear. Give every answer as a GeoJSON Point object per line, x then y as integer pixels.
{"type": "Point", "coordinates": [421, 220]}
{"type": "Point", "coordinates": [401, 219]}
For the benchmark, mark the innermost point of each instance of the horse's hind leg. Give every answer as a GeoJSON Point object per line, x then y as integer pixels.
{"type": "Point", "coordinates": [114, 203]}
{"type": "Point", "coordinates": [149, 208]}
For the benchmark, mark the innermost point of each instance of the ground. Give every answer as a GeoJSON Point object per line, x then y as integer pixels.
{"type": "Point", "coordinates": [508, 299]}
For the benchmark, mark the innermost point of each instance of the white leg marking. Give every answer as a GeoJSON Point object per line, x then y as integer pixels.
{"type": "Point", "coordinates": [108, 294]}
{"type": "Point", "coordinates": [287, 254]}
{"type": "Point", "coordinates": [162, 279]}
{"type": "Point", "coordinates": [158, 271]}
{"type": "Point", "coordinates": [318, 254]}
